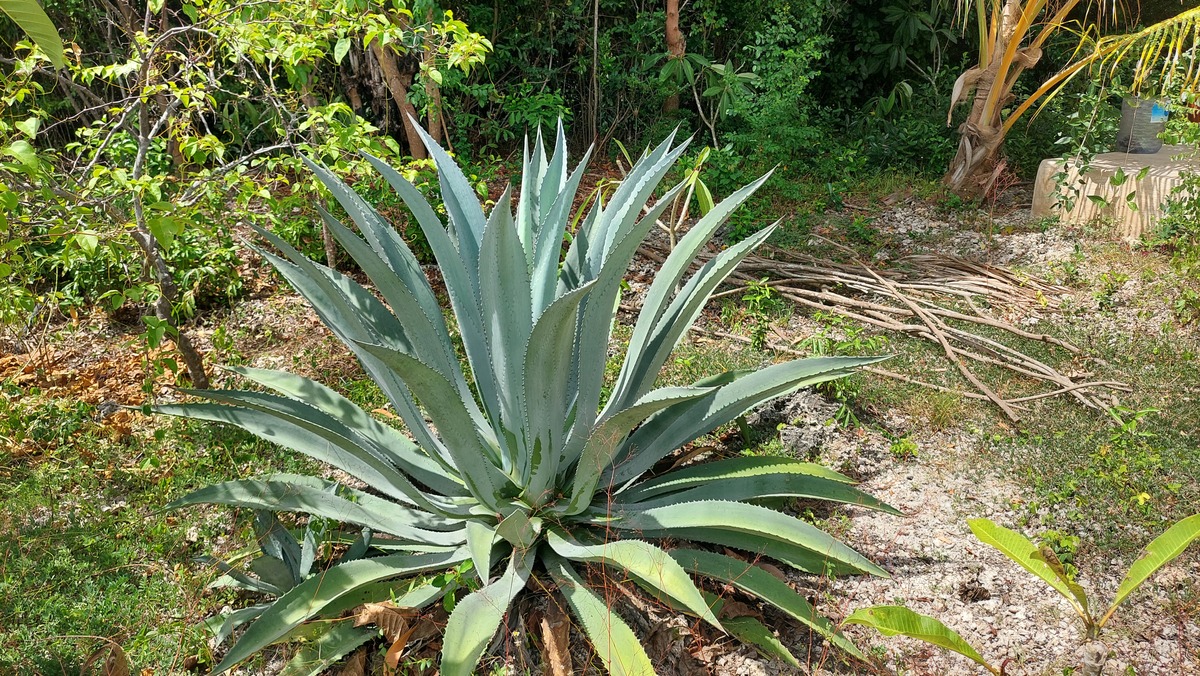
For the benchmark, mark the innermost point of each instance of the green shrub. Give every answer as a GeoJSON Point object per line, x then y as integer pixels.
{"type": "Point", "coordinates": [523, 468]}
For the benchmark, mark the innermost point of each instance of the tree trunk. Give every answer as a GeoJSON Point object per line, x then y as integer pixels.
{"type": "Point", "coordinates": [676, 47]}
{"type": "Point", "coordinates": [397, 84]}
{"type": "Point", "coordinates": [979, 159]}
{"type": "Point", "coordinates": [433, 93]}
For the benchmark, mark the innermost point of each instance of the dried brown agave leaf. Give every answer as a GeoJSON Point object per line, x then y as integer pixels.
{"type": "Point", "coordinates": [556, 635]}
{"type": "Point", "coordinates": [392, 619]}
{"type": "Point", "coordinates": [115, 661]}
{"type": "Point", "coordinates": [356, 664]}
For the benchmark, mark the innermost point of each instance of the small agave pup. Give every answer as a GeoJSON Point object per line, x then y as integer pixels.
{"type": "Point", "coordinates": [525, 469]}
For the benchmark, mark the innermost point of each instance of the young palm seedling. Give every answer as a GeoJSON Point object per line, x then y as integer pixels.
{"type": "Point", "coordinates": [1044, 563]}
{"type": "Point", "coordinates": [516, 462]}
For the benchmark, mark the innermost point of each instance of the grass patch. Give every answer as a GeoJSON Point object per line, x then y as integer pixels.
{"type": "Point", "coordinates": [85, 555]}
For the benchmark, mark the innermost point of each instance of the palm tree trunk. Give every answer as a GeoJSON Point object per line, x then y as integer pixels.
{"type": "Point", "coordinates": [979, 159]}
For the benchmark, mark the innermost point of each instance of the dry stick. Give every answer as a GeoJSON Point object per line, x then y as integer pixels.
{"type": "Point", "coordinates": [997, 283]}
{"type": "Point", "coordinates": [935, 325]}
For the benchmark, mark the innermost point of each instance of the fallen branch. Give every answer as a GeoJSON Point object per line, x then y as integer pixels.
{"type": "Point", "coordinates": [911, 298]}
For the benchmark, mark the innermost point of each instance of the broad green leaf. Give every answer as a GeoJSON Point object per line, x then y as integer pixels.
{"type": "Point", "coordinates": [30, 17]}
{"type": "Point", "coordinates": [311, 596]}
{"type": "Point", "coordinates": [23, 152]}
{"type": "Point", "coordinates": [704, 196]}
{"type": "Point", "coordinates": [28, 126]}
{"type": "Point", "coordinates": [164, 229]}
{"type": "Point", "coordinates": [87, 242]}
{"type": "Point", "coordinates": [341, 48]}
{"type": "Point", "coordinates": [893, 620]}
{"type": "Point", "coordinates": [1164, 549]}
{"type": "Point", "coordinates": [759, 583]}
{"type": "Point", "coordinates": [616, 645]}
{"type": "Point", "coordinates": [1016, 547]}
{"type": "Point", "coordinates": [476, 617]}
{"type": "Point", "coordinates": [649, 564]}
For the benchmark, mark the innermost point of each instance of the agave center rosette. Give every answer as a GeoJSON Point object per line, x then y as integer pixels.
{"type": "Point", "coordinates": [517, 462]}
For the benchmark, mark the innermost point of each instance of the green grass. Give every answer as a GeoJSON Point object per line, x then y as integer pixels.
{"type": "Point", "coordinates": [85, 553]}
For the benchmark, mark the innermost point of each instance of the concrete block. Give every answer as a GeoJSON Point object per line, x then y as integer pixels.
{"type": "Point", "coordinates": [1148, 194]}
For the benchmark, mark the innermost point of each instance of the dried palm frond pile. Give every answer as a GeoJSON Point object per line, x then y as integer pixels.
{"type": "Point", "coordinates": [934, 297]}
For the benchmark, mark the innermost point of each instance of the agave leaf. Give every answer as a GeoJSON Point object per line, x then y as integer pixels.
{"type": "Point", "coordinates": [596, 325]}
{"type": "Point", "coordinates": [276, 540]}
{"type": "Point", "coordinates": [475, 456]}
{"type": "Point", "coordinates": [626, 203]}
{"type": "Point", "coordinates": [1164, 549]}
{"type": "Point", "coordinates": [476, 617]}
{"type": "Point", "coordinates": [683, 422]}
{"type": "Point", "coordinates": [645, 359]}
{"type": "Point", "coordinates": [606, 438]}
{"type": "Point", "coordinates": [400, 592]}
{"type": "Point", "coordinates": [550, 235]}
{"type": "Point", "coordinates": [547, 361]}
{"type": "Point", "coordinates": [461, 286]}
{"type": "Point", "coordinates": [331, 645]}
{"type": "Point", "coordinates": [652, 567]}
{"type": "Point", "coordinates": [222, 626]}
{"type": "Point", "coordinates": [233, 577]}
{"type": "Point", "coordinates": [527, 201]}
{"type": "Point", "coordinates": [520, 529]}
{"type": "Point", "coordinates": [304, 414]}
{"type": "Point", "coordinates": [318, 443]}
{"type": "Point", "coordinates": [750, 630]}
{"type": "Point", "coordinates": [274, 572]}
{"type": "Point", "coordinates": [668, 277]}
{"type": "Point", "coordinates": [426, 334]}
{"type": "Point", "coordinates": [286, 496]}
{"type": "Point", "coordinates": [330, 292]}
{"type": "Point", "coordinates": [403, 452]}
{"type": "Point", "coordinates": [1016, 547]}
{"type": "Point", "coordinates": [761, 522]}
{"type": "Point", "coordinates": [893, 620]}
{"type": "Point", "coordinates": [703, 473]}
{"type": "Point", "coordinates": [480, 538]}
{"type": "Point", "coordinates": [777, 485]}
{"type": "Point", "coordinates": [765, 586]}
{"type": "Point", "coordinates": [616, 644]}
{"type": "Point", "coordinates": [462, 205]}
{"type": "Point", "coordinates": [576, 266]}
{"type": "Point", "coordinates": [311, 596]}
{"type": "Point", "coordinates": [383, 238]}
{"type": "Point", "coordinates": [507, 314]}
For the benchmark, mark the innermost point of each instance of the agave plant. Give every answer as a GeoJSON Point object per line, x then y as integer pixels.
{"type": "Point", "coordinates": [521, 461]}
